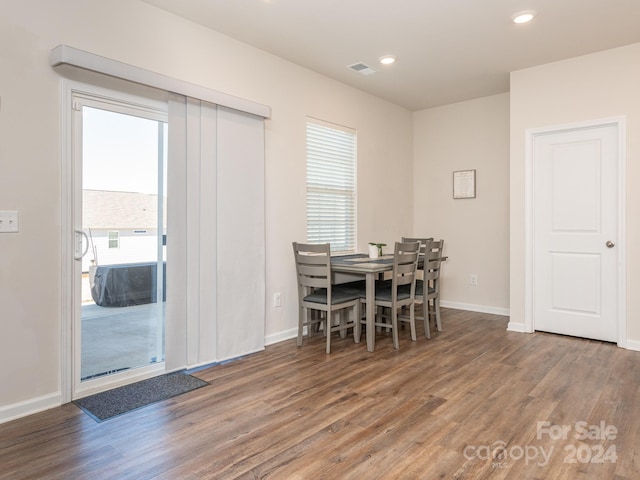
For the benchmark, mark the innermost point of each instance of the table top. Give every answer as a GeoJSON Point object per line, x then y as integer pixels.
{"type": "Point", "coordinates": [361, 263]}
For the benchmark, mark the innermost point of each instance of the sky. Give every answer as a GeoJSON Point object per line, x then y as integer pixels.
{"type": "Point", "coordinates": [120, 152]}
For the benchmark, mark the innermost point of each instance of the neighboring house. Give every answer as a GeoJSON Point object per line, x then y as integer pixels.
{"type": "Point", "coordinates": [122, 227]}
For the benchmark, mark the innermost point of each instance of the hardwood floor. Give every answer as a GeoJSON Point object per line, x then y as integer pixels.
{"type": "Point", "coordinates": [440, 408]}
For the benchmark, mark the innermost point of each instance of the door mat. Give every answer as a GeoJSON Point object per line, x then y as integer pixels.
{"type": "Point", "coordinates": [105, 405]}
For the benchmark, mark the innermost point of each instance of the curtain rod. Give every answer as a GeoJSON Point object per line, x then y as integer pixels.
{"type": "Point", "coordinates": [64, 54]}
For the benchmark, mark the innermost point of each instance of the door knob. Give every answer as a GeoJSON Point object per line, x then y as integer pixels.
{"type": "Point", "coordinates": [610, 244]}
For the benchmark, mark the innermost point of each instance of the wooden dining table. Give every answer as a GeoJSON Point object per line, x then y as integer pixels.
{"type": "Point", "coordinates": [370, 268]}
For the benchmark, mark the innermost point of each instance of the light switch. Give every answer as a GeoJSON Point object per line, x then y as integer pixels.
{"type": "Point", "coordinates": [8, 221]}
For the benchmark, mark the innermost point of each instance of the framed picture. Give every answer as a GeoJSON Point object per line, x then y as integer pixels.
{"type": "Point", "coordinates": [464, 184]}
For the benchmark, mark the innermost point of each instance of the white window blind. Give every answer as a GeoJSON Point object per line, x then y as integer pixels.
{"type": "Point", "coordinates": [331, 186]}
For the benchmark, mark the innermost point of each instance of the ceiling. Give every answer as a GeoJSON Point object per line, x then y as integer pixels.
{"type": "Point", "coordinates": [447, 50]}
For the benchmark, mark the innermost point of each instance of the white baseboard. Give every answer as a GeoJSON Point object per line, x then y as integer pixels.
{"type": "Point", "coordinates": [281, 336]}
{"type": "Point", "coordinates": [633, 345]}
{"type": "Point", "coordinates": [29, 407]}
{"type": "Point", "coordinates": [475, 308]}
{"type": "Point", "coordinates": [516, 327]}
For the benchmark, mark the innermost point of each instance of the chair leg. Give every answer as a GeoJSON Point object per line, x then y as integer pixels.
{"type": "Point", "coordinates": [355, 311]}
{"type": "Point", "coordinates": [326, 322]}
{"type": "Point", "coordinates": [426, 316]}
{"type": "Point", "coordinates": [436, 302]}
{"type": "Point", "coordinates": [327, 329]}
{"type": "Point", "coordinates": [301, 315]}
{"type": "Point", "coordinates": [394, 328]}
{"type": "Point", "coordinates": [310, 326]}
{"type": "Point", "coordinates": [412, 321]}
{"type": "Point", "coordinates": [343, 323]}
{"type": "Point", "coordinates": [359, 319]}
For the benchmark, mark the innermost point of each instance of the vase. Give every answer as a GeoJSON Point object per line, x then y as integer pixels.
{"type": "Point", "coordinates": [373, 251]}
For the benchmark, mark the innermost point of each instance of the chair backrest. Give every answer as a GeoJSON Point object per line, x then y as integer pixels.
{"type": "Point", "coordinates": [423, 242]}
{"type": "Point", "coordinates": [405, 266]}
{"type": "Point", "coordinates": [313, 267]}
{"type": "Point", "coordinates": [432, 262]}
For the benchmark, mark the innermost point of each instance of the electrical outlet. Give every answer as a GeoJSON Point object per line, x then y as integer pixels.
{"type": "Point", "coordinates": [473, 280]}
{"type": "Point", "coordinates": [277, 299]}
{"type": "Point", "coordinates": [8, 221]}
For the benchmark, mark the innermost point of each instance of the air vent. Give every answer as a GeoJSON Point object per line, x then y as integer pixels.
{"type": "Point", "coordinates": [362, 68]}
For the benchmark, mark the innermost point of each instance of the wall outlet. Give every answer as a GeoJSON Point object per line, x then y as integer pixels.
{"type": "Point", "coordinates": [277, 300]}
{"type": "Point", "coordinates": [473, 280]}
{"type": "Point", "coordinates": [8, 221]}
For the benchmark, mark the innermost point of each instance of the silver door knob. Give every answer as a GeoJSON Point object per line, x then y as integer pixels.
{"type": "Point", "coordinates": [610, 244]}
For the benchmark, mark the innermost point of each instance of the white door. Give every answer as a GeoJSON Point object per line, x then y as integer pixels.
{"type": "Point", "coordinates": [575, 216]}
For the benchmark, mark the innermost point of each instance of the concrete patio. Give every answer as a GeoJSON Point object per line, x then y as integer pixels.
{"type": "Point", "coordinates": [119, 338]}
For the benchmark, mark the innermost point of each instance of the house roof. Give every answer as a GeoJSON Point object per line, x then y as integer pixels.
{"type": "Point", "coordinates": [109, 210]}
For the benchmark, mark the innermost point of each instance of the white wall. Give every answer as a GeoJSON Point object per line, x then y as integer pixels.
{"type": "Point", "coordinates": [464, 136]}
{"type": "Point", "coordinates": [601, 85]}
{"type": "Point", "coordinates": [141, 35]}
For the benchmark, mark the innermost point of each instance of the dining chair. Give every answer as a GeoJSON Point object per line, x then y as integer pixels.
{"type": "Point", "coordinates": [399, 291]}
{"type": "Point", "coordinates": [428, 289]}
{"type": "Point", "coordinates": [423, 242]}
{"type": "Point", "coordinates": [316, 293]}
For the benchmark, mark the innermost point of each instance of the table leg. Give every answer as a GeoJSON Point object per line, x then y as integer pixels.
{"type": "Point", "coordinates": [371, 310]}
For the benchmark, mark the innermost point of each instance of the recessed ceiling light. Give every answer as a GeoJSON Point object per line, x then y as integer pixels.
{"type": "Point", "coordinates": [523, 17]}
{"type": "Point", "coordinates": [387, 59]}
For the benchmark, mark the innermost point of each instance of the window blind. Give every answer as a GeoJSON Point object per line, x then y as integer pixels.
{"type": "Point", "coordinates": [331, 186]}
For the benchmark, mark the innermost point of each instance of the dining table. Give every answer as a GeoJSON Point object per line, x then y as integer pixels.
{"type": "Point", "coordinates": [371, 268]}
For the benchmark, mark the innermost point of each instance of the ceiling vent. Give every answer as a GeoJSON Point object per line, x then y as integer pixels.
{"type": "Point", "coordinates": [361, 68]}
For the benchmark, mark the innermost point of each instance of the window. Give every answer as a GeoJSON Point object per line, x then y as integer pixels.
{"type": "Point", "coordinates": [331, 185]}
{"type": "Point", "coordinates": [114, 239]}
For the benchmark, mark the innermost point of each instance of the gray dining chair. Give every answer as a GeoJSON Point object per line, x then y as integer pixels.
{"type": "Point", "coordinates": [423, 242]}
{"type": "Point", "coordinates": [316, 293]}
{"type": "Point", "coordinates": [399, 291]}
{"type": "Point", "coordinates": [428, 289]}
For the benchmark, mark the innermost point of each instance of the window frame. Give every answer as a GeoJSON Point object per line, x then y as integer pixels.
{"type": "Point", "coordinates": [116, 239]}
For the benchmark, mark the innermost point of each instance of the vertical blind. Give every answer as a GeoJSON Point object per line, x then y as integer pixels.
{"type": "Point", "coordinates": [331, 186]}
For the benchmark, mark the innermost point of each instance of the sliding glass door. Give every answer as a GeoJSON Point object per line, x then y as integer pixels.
{"type": "Point", "coordinates": [120, 205]}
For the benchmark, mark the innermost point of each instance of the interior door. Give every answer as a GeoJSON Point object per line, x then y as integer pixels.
{"type": "Point", "coordinates": [575, 199]}
{"type": "Point", "coordinates": [120, 259]}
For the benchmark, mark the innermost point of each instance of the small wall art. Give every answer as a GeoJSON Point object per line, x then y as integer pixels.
{"type": "Point", "coordinates": [464, 184]}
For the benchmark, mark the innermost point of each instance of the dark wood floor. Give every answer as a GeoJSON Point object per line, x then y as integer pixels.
{"type": "Point", "coordinates": [465, 404]}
